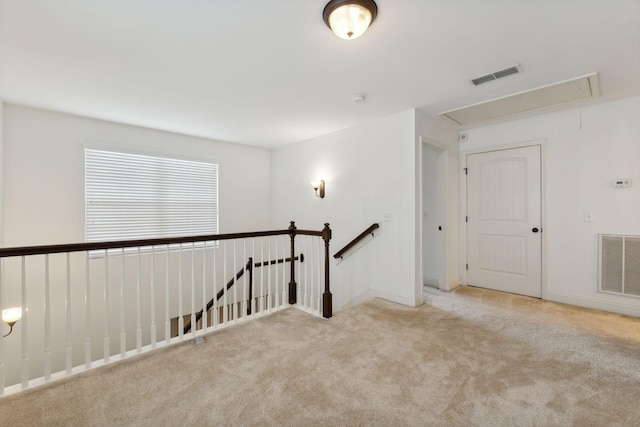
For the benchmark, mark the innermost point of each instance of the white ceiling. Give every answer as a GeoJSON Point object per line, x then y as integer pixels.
{"type": "Point", "coordinates": [269, 72]}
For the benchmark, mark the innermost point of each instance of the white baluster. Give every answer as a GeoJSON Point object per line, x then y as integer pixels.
{"type": "Point", "coordinates": [234, 306]}
{"type": "Point", "coordinates": [283, 266]}
{"type": "Point", "coordinates": [47, 320]}
{"type": "Point", "coordinates": [253, 276]}
{"type": "Point", "coordinates": [2, 378]}
{"type": "Point", "coordinates": [308, 268]}
{"type": "Point", "coordinates": [275, 279]}
{"type": "Point", "coordinates": [309, 259]}
{"type": "Point", "coordinates": [167, 316]}
{"type": "Point", "coordinates": [87, 320]}
{"type": "Point", "coordinates": [314, 273]}
{"type": "Point", "coordinates": [138, 316]}
{"type": "Point", "coordinates": [270, 292]}
{"type": "Point", "coordinates": [205, 323]}
{"type": "Point", "coordinates": [214, 308]}
{"type": "Point", "coordinates": [153, 297]}
{"type": "Point", "coordinates": [280, 291]}
{"type": "Point", "coordinates": [299, 286]}
{"type": "Point", "coordinates": [25, 332]}
{"type": "Point", "coordinates": [299, 289]}
{"type": "Point", "coordinates": [306, 271]}
{"type": "Point", "coordinates": [106, 338]}
{"type": "Point", "coordinates": [243, 304]}
{"type": "Point", "coordinates": [68, 353]}
{"type": "Point", "coordinates": [225, 305]}
{"type": "Point", "coordinates": [123, 331]}
{"type": "Point", "coordinates": [261, 304]}
{"type": "Point", "coordinates": [302, 288]}
{"type": "Point", "coordinates": [180, 316]}
{"type": "Point", "coordinates": [193, 288]}
{"type": "Point", "coordinates": [319, 283]}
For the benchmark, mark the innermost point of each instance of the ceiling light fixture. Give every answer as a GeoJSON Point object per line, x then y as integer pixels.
{"type": "Point", "coordinates": [349, 19]}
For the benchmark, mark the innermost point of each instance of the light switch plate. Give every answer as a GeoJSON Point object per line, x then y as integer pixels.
{"type": "Point", "coordinates": [623, 183]}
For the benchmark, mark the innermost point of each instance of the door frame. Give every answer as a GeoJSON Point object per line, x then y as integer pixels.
{"type": "Point", "coordinates": [464, 254]}
{"type": "Point", "coordinates": [443, 172]}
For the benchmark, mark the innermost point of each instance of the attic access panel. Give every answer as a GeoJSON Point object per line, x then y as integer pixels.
{"type": "Point", "coordinates": [535, 99]}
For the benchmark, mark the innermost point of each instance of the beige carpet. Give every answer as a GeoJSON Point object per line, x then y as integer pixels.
{"type": "Point", "coordinates": [468, 358]}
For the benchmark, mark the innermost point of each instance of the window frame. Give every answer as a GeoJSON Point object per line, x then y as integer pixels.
{"type": "Point", "coordinates": [167, 181]}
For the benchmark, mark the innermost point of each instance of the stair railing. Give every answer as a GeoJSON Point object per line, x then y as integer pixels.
{"type": "Point", "coordinates": [89, 304]}
{"type": "Point", "coordinates": [369, 231]}
{"type": "Point", "coordinates": [249, 266]}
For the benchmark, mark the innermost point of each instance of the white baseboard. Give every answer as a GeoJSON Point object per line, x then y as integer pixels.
{"type": "Point", "coordinates": [364, 296]}
{"type": "Point", "coordinates": [596, 304]}
{"type": "Point", "coordinates": [430, 281]}
{"type": "Point", "coordinates": [411, 301]}
{"type": "Point", "coordinates": [453, 285]}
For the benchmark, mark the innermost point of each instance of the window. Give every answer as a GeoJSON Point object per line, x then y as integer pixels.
{"type": "Point", "coordinates": [133, 196]}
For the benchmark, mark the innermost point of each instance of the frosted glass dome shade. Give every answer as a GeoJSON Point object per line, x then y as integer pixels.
{"type": "Point", "coordinates": [349, 19]}
{"type": "Point", "coordinates": [12, 315]}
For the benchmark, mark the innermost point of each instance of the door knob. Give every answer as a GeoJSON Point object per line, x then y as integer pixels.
{"type": "Point", "coordinates": [535, 229]}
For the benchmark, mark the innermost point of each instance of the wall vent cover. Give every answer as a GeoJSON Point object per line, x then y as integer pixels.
{"type": "Point", "coordinates": [619, 270]}
{"type": "Point", "coordinates": [496, 75]}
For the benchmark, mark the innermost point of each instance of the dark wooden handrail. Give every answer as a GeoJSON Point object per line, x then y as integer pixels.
{"type": "Point", "coordinates": [361, 236]}
{"type": "Point", "coordinates": [278, 261]}
{"type": "Point", "coordinates": [163, 241]}
{"type": "Point", "coordinates": [247, 267]}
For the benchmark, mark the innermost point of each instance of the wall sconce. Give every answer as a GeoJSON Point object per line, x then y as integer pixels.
{"type": "Point", "coordinates": [318, 187]}
{"type": "Point", "coordinates": [10, 316]}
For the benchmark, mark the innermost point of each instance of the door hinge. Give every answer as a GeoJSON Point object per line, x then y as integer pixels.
{"type": "Point", "coordinates": [466, 171]}
{"type": "Point", "coordinates": [466, 219]}
{"type": "Point", "coordinates": [467, 267]}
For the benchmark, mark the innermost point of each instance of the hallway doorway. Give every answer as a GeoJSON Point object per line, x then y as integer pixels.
{"type": "Point", "coordinates": [433, 183]}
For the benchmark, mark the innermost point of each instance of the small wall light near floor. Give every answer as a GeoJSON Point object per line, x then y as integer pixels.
{"type": "Point", "coordinates": [10, 316]}
{"type": "Point", "coordinates": [318, 187]}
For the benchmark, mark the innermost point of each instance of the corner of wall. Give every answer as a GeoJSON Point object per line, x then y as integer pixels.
{"type": "Point", "coordinates": [1, 173]}
{"type": "Point", "coordinates": [410, 301]}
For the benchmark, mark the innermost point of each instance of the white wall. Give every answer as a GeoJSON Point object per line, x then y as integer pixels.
{"type": "Point", "coordinates": [1, 174]}
{"type": "Point", "coordinates": [2, 303]}
{"type": "Point", "coordinates": [43, 175]}
{"type": "Point", "coordinates": [369, 171]}
{"type": "Point", "coordinates": [586, 149]}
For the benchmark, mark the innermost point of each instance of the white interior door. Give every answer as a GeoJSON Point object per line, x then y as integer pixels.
{"type": "Point", "coordinates": [505, 220]}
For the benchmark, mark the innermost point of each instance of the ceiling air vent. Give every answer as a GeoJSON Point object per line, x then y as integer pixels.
{"type": "Point", "coordinates": [566, 92]}
{"type": "Point", "coordinates": [496, 75]}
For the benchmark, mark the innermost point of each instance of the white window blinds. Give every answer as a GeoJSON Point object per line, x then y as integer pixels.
{"type": "Point", "coordinates": [133, 196]}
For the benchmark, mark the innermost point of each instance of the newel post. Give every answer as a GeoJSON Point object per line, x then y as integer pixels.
{"type": "Point", "coordinates": [327, 307]}
{"type": "Point", "coordinates": [293, 294]}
